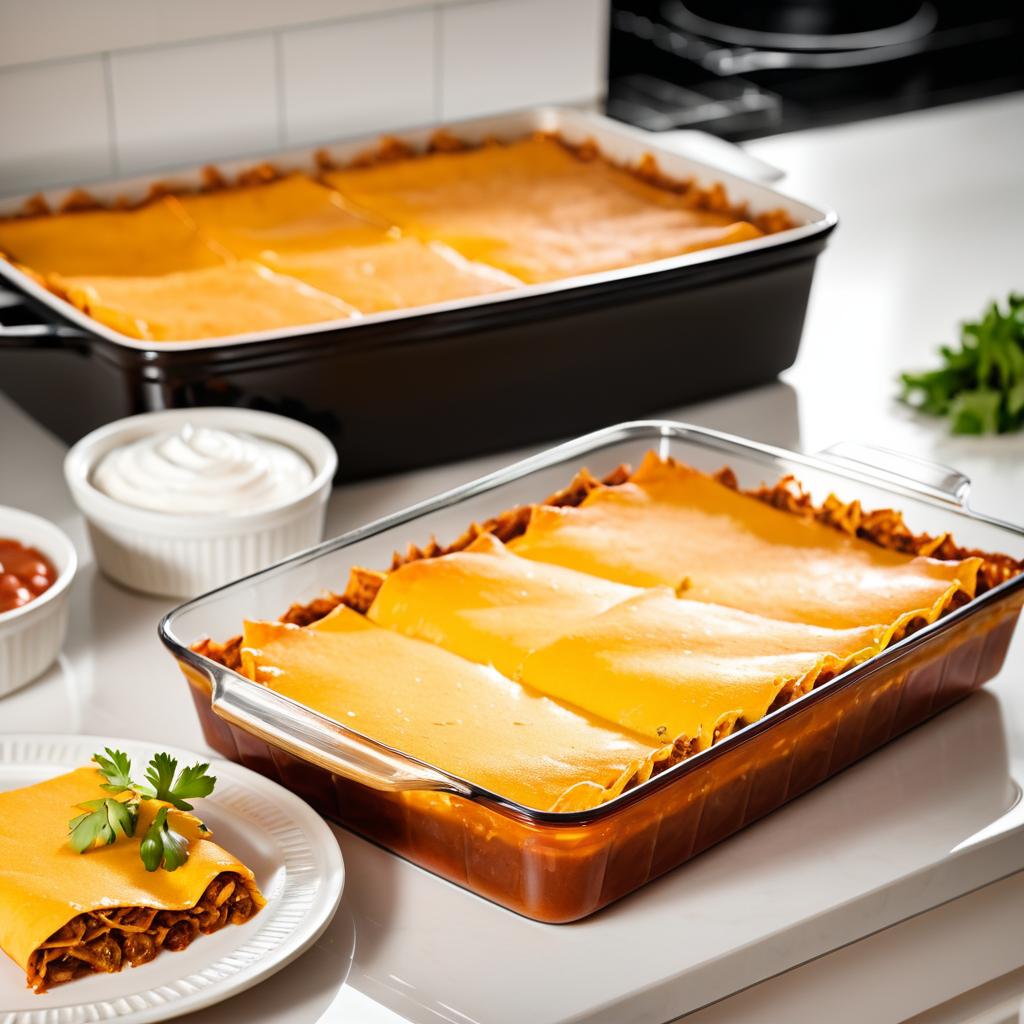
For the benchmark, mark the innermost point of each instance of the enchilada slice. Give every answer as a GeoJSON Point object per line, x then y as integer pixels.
{"type": "Point", "coordinates": [671, 525]}
{"type": "Point", "coordinates": [395, 273]}
{"type": "Point", "coordinates": [64, 914]}
{"type": "Point", "coordinates": [212, 303]}
{"type": "Point", "coordinates": [685, 671]}
{"type": "Point", "coordinates": [464, 718]}
{"type": "Point", "coordinates": [291, 214]}
{"type": "Point", "coordinates": [489, 606]}
{"type": "Point", "coordinates": [537, 210]}
{"type": "Point", "coordinates": [153, 239]}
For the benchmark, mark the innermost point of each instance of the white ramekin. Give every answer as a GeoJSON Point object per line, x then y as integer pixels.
{"type": "Point", "coordinates": [185, 555]}
{"type": "Point", "coordinates": [31, 636]}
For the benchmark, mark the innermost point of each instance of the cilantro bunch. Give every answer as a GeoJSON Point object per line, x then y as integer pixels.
{"type": "Point", "coordinates": [980, 385]}
{"type": "Point", "coordinates": [107, 817]}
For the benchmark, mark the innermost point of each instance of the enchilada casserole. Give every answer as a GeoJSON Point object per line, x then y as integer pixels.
{"type": "Point", "coordinates": [394, 230]}
{"type": "Point", "coordinates": [64, 915]}
{"type": "Point", "coordinates": [562, 653]}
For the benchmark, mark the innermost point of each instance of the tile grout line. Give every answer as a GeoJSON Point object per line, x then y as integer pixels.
{"type": "Point", "coordinates": [279, 89]}
{"type": "Point", "coordinates": [108, 91]}
{"type": "Point", "coordinates": [438, 61]}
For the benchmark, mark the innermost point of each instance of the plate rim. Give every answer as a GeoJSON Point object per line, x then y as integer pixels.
{"type": "Point", "coordinates": [172, 1002]}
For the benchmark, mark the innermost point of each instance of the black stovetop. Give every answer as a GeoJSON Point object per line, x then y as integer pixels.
{"type": "Point", "coordinates": [670, 68]}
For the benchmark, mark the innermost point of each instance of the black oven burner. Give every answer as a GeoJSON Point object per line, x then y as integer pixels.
{"type": "Point", "coordinates": [803, 26]}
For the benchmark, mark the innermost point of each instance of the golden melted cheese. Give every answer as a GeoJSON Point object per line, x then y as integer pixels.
{"type": "Point", "coordinates": [44, 883]}
{"type": "Point", "coordinates": [464, 718]}
{"type": "Point", "coordinates": [154, 239]}
{"type": "Point", "coordinates": [396, 273]}
{"type": "Point", "coordinates": [289, 215]}
{"type": "Point", "coordinates": [489, 606]}
{"type": "Point", "coordinates": [211, 303]}
{"type": "Point", "coordinates": [671, 669]}
{"type": "Point", "coordinates": [536, 210]}
{"type": "Point", "coordinates": [673, 526]}
{"type": "Point", "coordinates": [395, 235]}
{"type": "Point", "coordinates": [653, 663]}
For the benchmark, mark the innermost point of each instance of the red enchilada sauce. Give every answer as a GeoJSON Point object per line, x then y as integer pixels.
{"type": "Point", "coordinates": [24, 574]}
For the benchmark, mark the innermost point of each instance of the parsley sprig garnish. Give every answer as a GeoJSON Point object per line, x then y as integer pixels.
{"type": "Point", "coordinates": [102, 820]}
{"type": "Point", "coordinates": [107, 818]}
{"type": "Point", "coordinates": [980, 385]}
{"type": "Point", "coordinates": [162, 845]}
{"type": "Point", "coordinates": [116, 768]}
{"type": "Point", "coordinates": [191, 781]}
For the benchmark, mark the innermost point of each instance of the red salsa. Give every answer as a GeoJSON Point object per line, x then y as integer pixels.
{"type": "Point", "coordinates": [24, 574]}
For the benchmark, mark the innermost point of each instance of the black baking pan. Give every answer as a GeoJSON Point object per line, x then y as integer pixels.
{"type": "Point", "coordinates": [397, 391]}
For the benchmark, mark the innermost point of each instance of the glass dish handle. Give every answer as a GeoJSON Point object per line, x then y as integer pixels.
{"type": "Point", "coordinates": [309, 737]}
{"type": "Point", "coordinates": [908, 471]}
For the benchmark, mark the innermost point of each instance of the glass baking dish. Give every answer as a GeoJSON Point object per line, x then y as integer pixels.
{"type": "Point", "coordinates": [558, 867]}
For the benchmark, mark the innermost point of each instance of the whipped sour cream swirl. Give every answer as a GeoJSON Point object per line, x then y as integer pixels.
{"type": "Point", "coordinates": [202, 471]}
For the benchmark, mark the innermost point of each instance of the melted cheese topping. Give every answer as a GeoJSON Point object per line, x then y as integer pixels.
{"type": "Point", "coordinates": [655, 664]}
{"type": "Point", "coordinates": [395, 235]}
{"type": "Point", "coordinates": [397, 273]}
{"type": "Point", "coordinates": [673, 526]}
{"type": "Point", "coordinates": [675, 670]}
{"type": "Point", "coordinates": [154, 239]}
{"type": "Point", "coordinates": [489, 606]}
{"type": "Point", "coordinates": [289, 215]}
{"type": "Point", "coordinates": [464, 718]}
{"type": "Point", "coordinates": [211, 303]}
{"type": "Point", "coordinates": [536, 210]}
{"type": "Point", "coordinates": [44, 883]}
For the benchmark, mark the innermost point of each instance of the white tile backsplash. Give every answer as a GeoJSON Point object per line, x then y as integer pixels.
{"type": "Point", "coordinates": [32, 30]}
{"type": "Point", "coordinates": [258, 74]}
{"type": "Point", "coordinates": [357, 77]}
{"type": "Point", "coordinates": [194, 102]}
{"type": "Point", "coordinates": [53, 125]}
{"type": "Point", "coordinates": [503, 54]}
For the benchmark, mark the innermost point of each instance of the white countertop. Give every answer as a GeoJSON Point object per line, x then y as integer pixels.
{"type": "Point", "coordinates": [931, 215]}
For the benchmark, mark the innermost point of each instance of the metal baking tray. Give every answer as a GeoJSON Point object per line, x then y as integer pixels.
{"type": "Point", "coordinates": [559, 867]}
{"type": "Point", "coordinates": [402, 389]}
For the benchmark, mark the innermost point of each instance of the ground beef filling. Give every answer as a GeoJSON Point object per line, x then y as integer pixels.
{"type": "Point", "coordinates": [103, 941]}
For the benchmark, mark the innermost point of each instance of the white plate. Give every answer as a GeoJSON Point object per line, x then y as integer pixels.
{"type": "Point", "coordinates": [292, 852]}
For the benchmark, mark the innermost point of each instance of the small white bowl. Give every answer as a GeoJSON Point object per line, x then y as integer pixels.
{"type": "Point", "coordinates": [185, 555]}
{"type": "Point", "coordinates": [31, 636]}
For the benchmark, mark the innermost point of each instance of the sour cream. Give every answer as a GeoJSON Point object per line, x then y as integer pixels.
{"type": "Point", "coordinates": [202, 471]}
